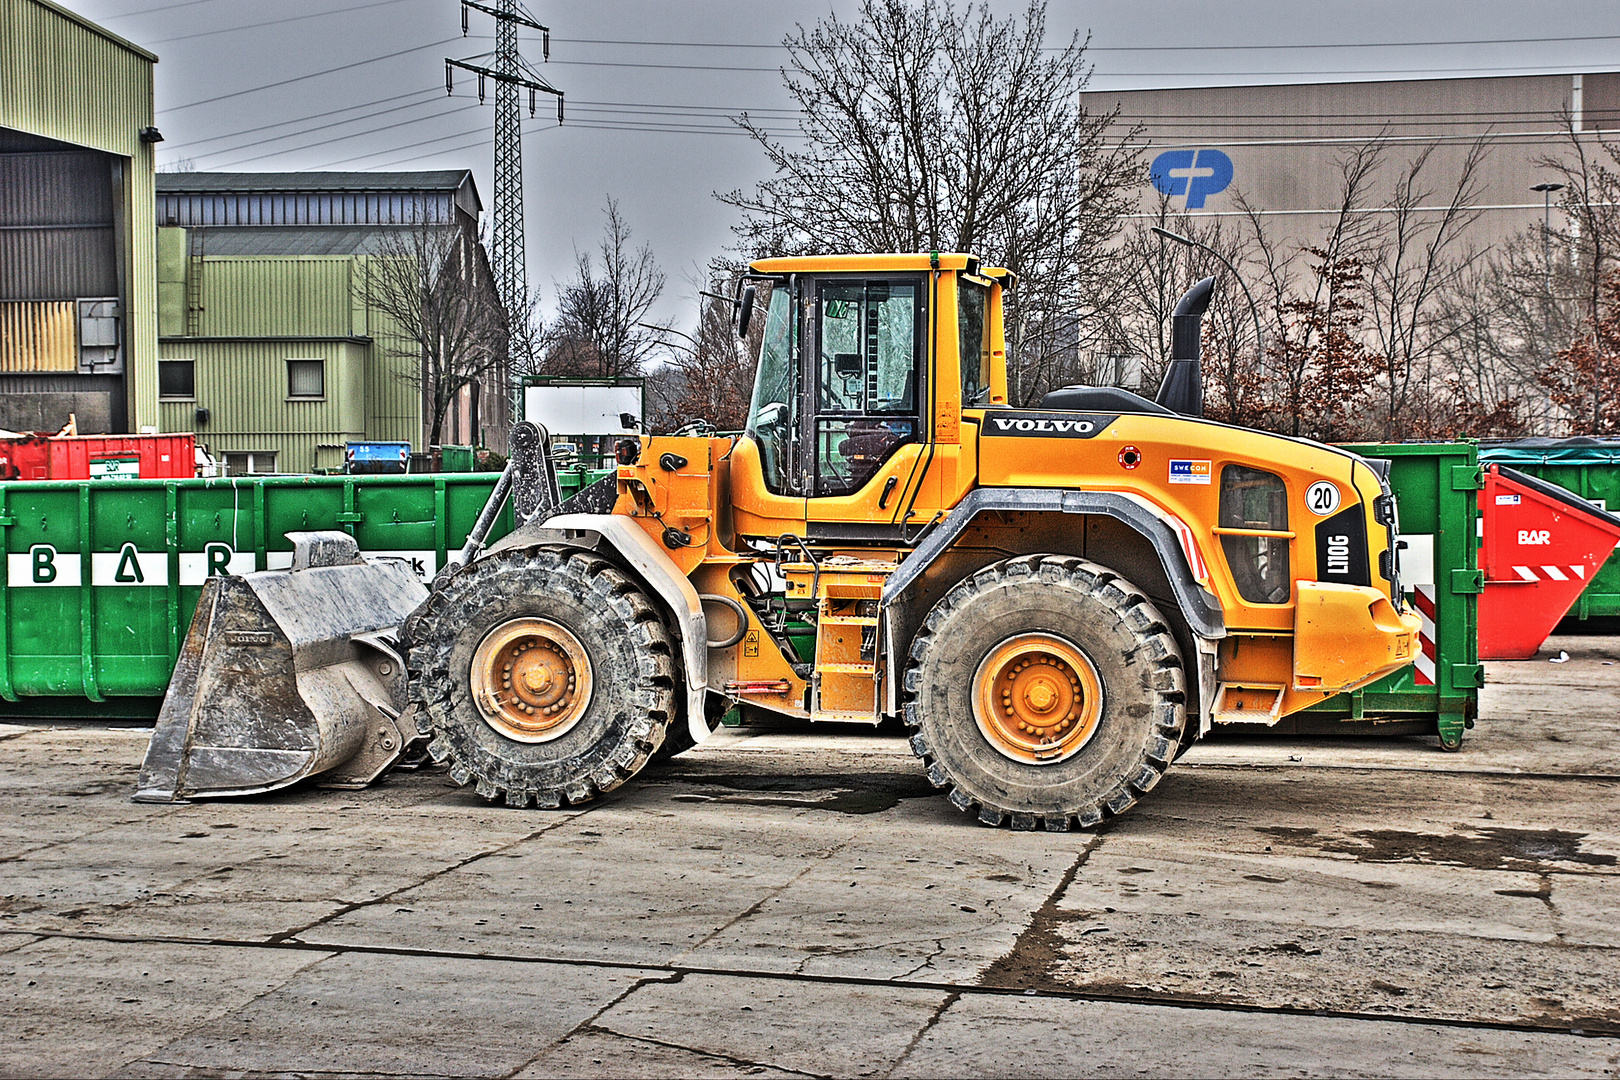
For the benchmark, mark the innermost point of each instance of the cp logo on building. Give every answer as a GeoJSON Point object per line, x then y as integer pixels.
{"type": "Point", "coordinates": [1196, 174]}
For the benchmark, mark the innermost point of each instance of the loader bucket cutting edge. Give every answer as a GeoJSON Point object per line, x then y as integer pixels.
{"type": "Point", "coordinates": [285, 675]}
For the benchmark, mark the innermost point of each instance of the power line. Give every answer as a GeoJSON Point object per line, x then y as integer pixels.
{"type": "Point", "coordinates": [1149, 48]}
{"type": "Point", "coordinates": [1177, 73]}
{"type": "Point", "coordinates": [342, 138]}
{"type": "Point", "coordinates": [310, 75]}
{"type": "Point", "coordinates": [605, 123]}
{"type": "Point", "coordinates": [297, 120]}
{"type": "Point", "coordinates": [151, 10]}
{"type": "Point", "coordinates": [537, 126]}
{"type": "Point", "coordinates": [697, 110]}
{"type": "Point", "coordinates": [275, 22]}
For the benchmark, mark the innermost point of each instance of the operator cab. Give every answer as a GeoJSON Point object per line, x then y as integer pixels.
{"type": "Point", "coordinates": [850, 385]}
{"type": "Point", "coordinates": [841, 374]}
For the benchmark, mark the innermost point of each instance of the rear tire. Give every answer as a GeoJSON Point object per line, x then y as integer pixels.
{"type": "Point", "coordinates": [546, 675]}
{"type": "Point", "coordinates": [1045, 692]}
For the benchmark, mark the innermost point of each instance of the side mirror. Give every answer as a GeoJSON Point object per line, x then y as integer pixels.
{"type": "Point", "coordinates": [745, 311]}
{"type": "Point", "coordinates": [628, 421]}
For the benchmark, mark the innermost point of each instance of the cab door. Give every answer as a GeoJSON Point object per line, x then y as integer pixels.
{"type": "Point", "coordinates": [865, 390]}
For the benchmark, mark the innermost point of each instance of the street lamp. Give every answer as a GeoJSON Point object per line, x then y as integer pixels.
{"type": "Point", "coordinates": [1546, 228]}
{"type": "Point", "coordinates": [671, 330]}
{"type": "Point", "coordinates": [1259, 338]}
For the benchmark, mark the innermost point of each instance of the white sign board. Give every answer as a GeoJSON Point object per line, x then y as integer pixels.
{"type": "Point", "coordinates": [582, 410]}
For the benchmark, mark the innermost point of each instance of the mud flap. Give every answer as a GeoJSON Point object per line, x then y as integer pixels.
{"type": "Point", "coordinates": [287, 675]}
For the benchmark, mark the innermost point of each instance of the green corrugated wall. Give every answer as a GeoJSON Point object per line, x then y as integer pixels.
{"type": "Point", "coordinates": [257, 313]}
{"type": "Point", "coordinates": [64, 78]}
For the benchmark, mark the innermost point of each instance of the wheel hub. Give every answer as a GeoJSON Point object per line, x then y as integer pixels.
{"type": "Point", "coordinates": [1037, 698]}
{"type": "Point", "coordinates": [531, 679]}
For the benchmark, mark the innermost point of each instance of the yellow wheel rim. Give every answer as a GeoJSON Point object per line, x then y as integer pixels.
{"type": "Point", "coordinates": [531, 680]}
{"type": "Point", "coordinates": [1037, 699]}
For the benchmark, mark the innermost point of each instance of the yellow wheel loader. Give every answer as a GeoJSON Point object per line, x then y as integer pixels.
{"type": "Point", "coordinates": [1055, 601]}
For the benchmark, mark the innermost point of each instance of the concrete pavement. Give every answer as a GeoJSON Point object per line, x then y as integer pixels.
{"type": "Point", "coordinates": [789, 903]}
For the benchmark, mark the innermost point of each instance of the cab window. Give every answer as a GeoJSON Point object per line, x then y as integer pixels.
{"type": "Point", "coordinates": [1255, 502]}
{"type": "Point", "coordinates": [973, 324]}
{"type": "Point", "coordinates": [772, 415]}
{"type": "Point", "coordinates": [868, 377]}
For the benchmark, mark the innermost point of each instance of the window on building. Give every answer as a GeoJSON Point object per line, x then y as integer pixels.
{"type": "Point", "coordinates": [177, 380]}
{"type": "Point", "coordinates": [250, 462]}
{"type": "Point", "coordinates": [306, 378]}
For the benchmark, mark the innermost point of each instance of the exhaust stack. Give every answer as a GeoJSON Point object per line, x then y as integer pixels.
{"type": "Point", "coordinates": [1183, 388]}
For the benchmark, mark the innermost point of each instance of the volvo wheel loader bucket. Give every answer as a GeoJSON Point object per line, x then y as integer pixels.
{"type": "Point", "coordinates": [287, 674]}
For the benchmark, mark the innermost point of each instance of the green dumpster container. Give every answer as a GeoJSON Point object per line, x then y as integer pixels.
{"type": "Point", "coordinates": [1586, 467]}
{"type": "Point", "coordinates": [570, 481]}
{"type": "Point", "coordinates": [102, 577]}
{"type": "Point", "coordinates": [1435, 486]}
{"type": "Point", "coordinates": [456, 459]}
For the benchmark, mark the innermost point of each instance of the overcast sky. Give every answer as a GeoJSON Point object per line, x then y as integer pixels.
{"type": "Point", "coordinates": [359, 84]}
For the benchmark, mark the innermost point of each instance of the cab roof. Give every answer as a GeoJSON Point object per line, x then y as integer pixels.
{"type": "Point", "coordinates": [822, 264]}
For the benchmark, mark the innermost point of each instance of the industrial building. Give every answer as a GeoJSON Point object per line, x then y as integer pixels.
{"type": "Point", "coordinates": [78, 335]}
{"type": "Point", "coordinates": [270, 348]}
{"type": "Point", "coordinates": [1278, 148]}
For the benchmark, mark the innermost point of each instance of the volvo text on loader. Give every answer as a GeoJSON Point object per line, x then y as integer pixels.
{"type": "Point", "coordinates": [1054, 601]}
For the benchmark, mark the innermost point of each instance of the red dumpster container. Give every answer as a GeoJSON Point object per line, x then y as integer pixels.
{"type": "Point", "coordinates": [25, 457]}
{"type": "Point", "coordinates": [150, 457]}
{"type": "Point", "coordinates": [80, 457]}
{"type": "Point", "coordinates": [1539, 547]}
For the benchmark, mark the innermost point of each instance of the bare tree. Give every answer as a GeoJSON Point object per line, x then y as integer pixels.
{"type": "Point", "coordinates": [1585, 381]}
{"type": "Point", "coordinates": [1150, 276]}
{"type": "Point", "coordinates": [1416, 262]}
{"type": "Point", "coordinates": [432, 285]}
{"type": "Point", "coordinates": [1315, 357]}
{"type": "Point", "coordinates": [925, 129]}
{"type": "Point", "coordinates": [599, 327]}
{"type": "Point", "coordinates": [710, 374]}
{"type": "Point", "coordinates": [1591, 207]}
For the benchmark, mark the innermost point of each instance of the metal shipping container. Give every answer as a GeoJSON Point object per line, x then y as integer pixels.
{"type": "Point", "coordinates": [1586, 467]}
{"type": "Point", "coordinates": [101, 579]}
{"type": "Point", "coordinates": [1435, 487]}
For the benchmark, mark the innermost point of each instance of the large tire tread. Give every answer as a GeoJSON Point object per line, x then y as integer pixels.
{"type": "Point", "coordinates": [647, 706]}
{"type": "Point", "coordinates": [1153, 643]}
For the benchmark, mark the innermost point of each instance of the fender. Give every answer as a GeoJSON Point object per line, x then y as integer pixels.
{"type": "Point", "coordinates": [631, 548]}
{"type": "Point", "coordinates": [1200, 607]}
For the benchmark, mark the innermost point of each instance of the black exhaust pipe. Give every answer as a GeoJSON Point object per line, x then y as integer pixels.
{"type": "Point", "coordinates": [1183, 388]}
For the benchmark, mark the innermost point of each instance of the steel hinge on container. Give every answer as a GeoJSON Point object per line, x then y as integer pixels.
{"type": "Point", "coordinates": [6, 521]}
{"type": "Point", "coordinates": [1467, 477]}
{"type": "Point", "coordinates": [1467, 581]}
{"type": "Point", "coordinates": [1467, 676]}
{"type": "Point", "coordinates": [348, 517]}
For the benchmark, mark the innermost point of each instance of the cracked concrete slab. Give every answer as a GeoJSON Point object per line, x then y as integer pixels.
{"type": "Point", "coordinates": [992, 1036]}
{"type": "Point", "coordinates": [1386, 879]}
{"type": "Point", "coordinates": [1533, 717]}
{"type": "Point", "coordinates": [596, 1052]}
{"type": "Point", "coordinates": [85, 1008]}
{"type": "Point", "coordinates": [350, 1014]}
{"type": "Point", "coordinates": [814, 1029]}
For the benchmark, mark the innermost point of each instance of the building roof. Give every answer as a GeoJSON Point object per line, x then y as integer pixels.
{"type": "Point", "coordinates": [300, 240]}
{"type": "Point", "coordinates": [250, 199]}
{"type": "Point", "coordinates": [426, 180]}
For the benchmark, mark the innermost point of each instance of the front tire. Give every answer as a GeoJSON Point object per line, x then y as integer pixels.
{"type": "Point", "coordinates": [546, 675]}
{"type": "Point", "coordinates": [1045, 691]}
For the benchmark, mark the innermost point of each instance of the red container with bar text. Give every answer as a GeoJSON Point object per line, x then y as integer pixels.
{"type": "Point", "coordinates": [1539, 546]}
